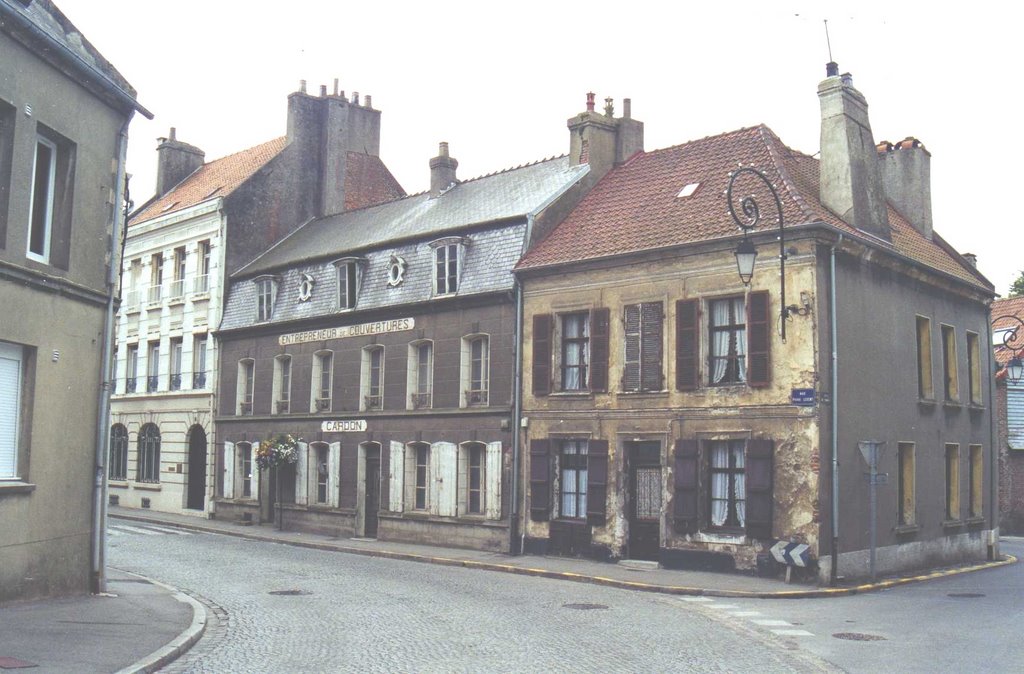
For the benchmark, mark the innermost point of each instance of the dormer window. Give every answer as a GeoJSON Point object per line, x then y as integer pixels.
{"type": "Point", "coordinates": [266, 291]}
{"type": "Point", "coordinates": [448, 258]}
{"type": "Point", "coordinates": [349, 275]}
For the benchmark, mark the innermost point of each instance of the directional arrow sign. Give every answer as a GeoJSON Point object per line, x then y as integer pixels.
{"type": "Point", "coordinates": [792, 554]}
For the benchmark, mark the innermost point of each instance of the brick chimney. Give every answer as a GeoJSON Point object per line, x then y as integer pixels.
{"type": "Point", "coordinates": [175, 161]}
{"type": "Point", "coordinates": [442, 171]}
{"type": "Point", "coordinates": [907, 177]}
{"type": "Point", "coordinates": [602, 140]}
{"type": "Point", "coordinates": [322, 130]}
{"type": "Point", "coordinates": [850, 175]}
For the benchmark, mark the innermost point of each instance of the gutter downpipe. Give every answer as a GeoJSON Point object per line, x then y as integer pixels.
{"type": "Point", "coordinates": [515, 542]}
{"type": "Point", "coordinates": [98, 578]}
{"type": "Point", "coordinates": [993, 443]}
{"type": "Point", "coordinates": [834, 571]}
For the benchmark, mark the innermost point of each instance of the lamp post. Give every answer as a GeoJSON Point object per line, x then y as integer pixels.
{"type": "Point", "coordinates": [1013, 341]}
{"type": "Point", "coordinates": [746, 252]}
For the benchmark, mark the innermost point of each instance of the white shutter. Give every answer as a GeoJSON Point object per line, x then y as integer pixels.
{"type": "Point", "coordinates": [301, 488]}
{"type": "Point", "coordinates": [492, 477]}
{"type": "Point", "coordinates": [229, 470]}
{"type": "Point", "coordinates": [1015, 415]}
{"type": "Point", "coordinates": [254, 471]}
{"type": "Point", "coordinates": [444, 471]}
{"type": "Point", "coordinates": [397, 476]}
{"type": "Point", "coordinates": [333, 466]}
{"type": "Point", "coordinates": [10, 405]}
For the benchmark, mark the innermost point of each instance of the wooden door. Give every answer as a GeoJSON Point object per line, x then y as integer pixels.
{"type": "Point", "coordinates": [371, 504]}
{"type": "Point", "coordinates": [644, 499]}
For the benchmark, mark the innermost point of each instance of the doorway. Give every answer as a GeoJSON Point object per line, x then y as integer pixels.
{"type": "Point", "coordinates": [371, 490]}
{"type": "Point", "coordinates": [196, 494]}
{"type": "Point", "coordinates": [644, 501]}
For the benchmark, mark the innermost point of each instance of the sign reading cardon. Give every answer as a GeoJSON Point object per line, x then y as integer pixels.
{"type": "Point", "coordinates": [344, 426]}
{"type": "Point", "coordinates": [361, 330]}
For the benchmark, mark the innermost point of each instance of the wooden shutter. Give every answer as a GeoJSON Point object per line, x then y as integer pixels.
{"type": "Point", "coordinates": [759, 488]}
{"type": "Point", "coordinates": [229, 470]}
{"type": "Point", "coordinates": [597, 481]}
{"type": "Point", "coordinates": [631, 357]}
{"type": "Point", "coordinates": [444, 457]}
{"type": "Point", "coordinates": [254, 448]}
{"type": "Point", "coordinates": [396, 476]}
{"type": "Point", "coordinates": [333, 467]}
{"type": "Point", "coordinates": [687, 341]}
{"type": "Point", "coordinates": [600, 320]}
{"type": "Point", "coordinates": [541, 354]}
{"type": "Point", "coordinates": [540, 480]}
{"type": "Point", "coordinates": [492, 475]}
{"type": "Point", "coordinates": [349, 475]}
{"type": "Point", "coordinates": [301, 467]}
{"type": "Point", "coordinates": [686, 496]}
{"type": "Point", "coordinates": [652, 370]}
{"type": "Point", "coordinates": [758, 339]}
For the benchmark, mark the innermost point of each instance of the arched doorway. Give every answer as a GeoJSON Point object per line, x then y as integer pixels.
{"type": "Point", "coordinates": [196, 499]}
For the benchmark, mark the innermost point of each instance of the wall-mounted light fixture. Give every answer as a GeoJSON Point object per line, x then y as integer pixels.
{"type": "Point", "coordinates": [1013, 341]}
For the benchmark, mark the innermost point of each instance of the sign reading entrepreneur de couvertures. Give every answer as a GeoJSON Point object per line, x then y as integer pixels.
{"type": "Point", "coordinates": [361, 330]}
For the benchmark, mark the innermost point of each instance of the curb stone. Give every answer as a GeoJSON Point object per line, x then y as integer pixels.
{"type": "Point", "coordinates": [584, 578]}
{"type": "Point", "coordinates": [180, 644]}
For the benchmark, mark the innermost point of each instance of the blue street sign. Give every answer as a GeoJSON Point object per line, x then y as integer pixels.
{"type": "Point", "coordinates": [802, 396]}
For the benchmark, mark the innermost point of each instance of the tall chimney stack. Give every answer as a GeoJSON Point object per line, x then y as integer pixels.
{"type": "Point", "coordinates": [907, 176]}
{"type": "Point", "coordinates": [175, 161]}
{"type": "Point", "coordinates": [603, 140]}
{"type": "Point", "coordinates": [442, 171]}
{"type": "Point", "coordinates": [850, 176]}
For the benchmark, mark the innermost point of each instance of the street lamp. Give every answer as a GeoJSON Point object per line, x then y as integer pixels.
{"type": "Point", "coordinates": [1013, 341]}
{"type": "Point", "coordinates": [746, 252]}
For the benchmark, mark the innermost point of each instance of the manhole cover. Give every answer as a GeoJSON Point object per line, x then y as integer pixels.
{"type": "Point", "coordinates": [857, 636]}
{"type": "Point", "coordinates": [965, 595]}
{"type": "Point", "coordinates": [584, 607]}
{"type": "Point", "coordinates": [289, 593]}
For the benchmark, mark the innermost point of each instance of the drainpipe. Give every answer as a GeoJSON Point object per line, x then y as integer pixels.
{"type": "Point", "coordinates": [515, 544]}
{"type": "Point", "coordinates": [993, 444]}
{"type": "Point", "coordinates": [98, 576]}
{"type": "Point", "coordinates": [834, 572]}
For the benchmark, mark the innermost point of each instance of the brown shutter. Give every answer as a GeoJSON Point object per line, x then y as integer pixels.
{"type": "Point", "coordinates": [652, 371]}
{"type": "Point", "coordinates": [685, 500]}
{"type": "Point", "coordinates": [758, 339]}
{"type": "Point", "coordinates": [597, 481]}
{"type": "Point", "coordinates": [631, 359]}
{"type": "Point", "coordinates": [687, 341]}
{"type": "Point", "coordinates": [540, 480]}
{"type": "Point", "coordinates": [349, 466]}
{"type": "Point", "coordinates": [541, 354]}
{"type": "Point", "coordinates": [600, 320]}
{"type": "Point", "coordinates": [759, 488]}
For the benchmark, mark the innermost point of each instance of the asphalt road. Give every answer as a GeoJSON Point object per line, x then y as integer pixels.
{"type": "Point", "coordinates": [277, 608]}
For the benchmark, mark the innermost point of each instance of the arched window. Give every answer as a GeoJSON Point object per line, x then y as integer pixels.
{"type": "Point", "coordinates": [148, 468]}
{"type": "Point", "coordinates": [118, 462]}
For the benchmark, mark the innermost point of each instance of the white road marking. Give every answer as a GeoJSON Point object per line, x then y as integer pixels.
{"type": "Point", "coordinates": [793, 633]}
{"type": "Point", "coordinates": [137, 530]}
{"type": "Point", "coordinates": [113, 532]}
{"type": "Point", "coordinates": [772, 623]}
{"type": "Point", "coordinates": [701, 599]}
{"type": "Point", "coordinates": [745, 614]}
{"type": "Point", "coordinates": [723, 606]}
{"type": "Point", "coordinates": [179, 532]}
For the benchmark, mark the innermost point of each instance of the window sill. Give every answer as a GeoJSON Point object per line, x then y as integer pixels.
{"type": "Point", "coordinates": [16, 487]}
{"type": "Point", "coordinates": [952, 524]}
{"type": "Point", "coordinates": [952, 404]}
{"type": "Point", "coordinates": [147, 486]}
{"type": "Point", "coordinates": [572, 394]}
{"type": "Point", "coordinates": [730, 537]}
{"type": "Point", "coordinates": [644, 394]}
{"type": "Point", "coordinates": [975, 407]}
{"type": "Point", "coordinates": [120, 484]}
{"type": "Point", "coordinates": [974, 521]}
{"type": "Point", "coordinates": [927, 402]}
{"type": "Point", "coordinates": [175, 301]}
{"type": "Point", "coordinates": [198, 297]}
{"type": "Point", "coordinates": [905, 529]}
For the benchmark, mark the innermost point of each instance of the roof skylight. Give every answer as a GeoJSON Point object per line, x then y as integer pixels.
{"type": "Point", "coordinates": [688, 190]}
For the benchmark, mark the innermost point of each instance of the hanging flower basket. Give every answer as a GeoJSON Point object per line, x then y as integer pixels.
{"type": "Point", "coordinates": [277, 451]}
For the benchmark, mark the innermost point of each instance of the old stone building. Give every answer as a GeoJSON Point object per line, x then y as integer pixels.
{"type": "Point", "coordinates": [205, 221]}
{"type": "Point", "coordinates": [64, 114]}
{"type": "Point", "coordinates": [385, 340]}
{"type": "Point", "coordinates": [675, 413]}
{"type": "Point", "coordinates": [1008, 339]}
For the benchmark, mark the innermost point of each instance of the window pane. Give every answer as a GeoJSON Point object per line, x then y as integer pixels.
{"type": "Point", "coordinates": [42, 200]}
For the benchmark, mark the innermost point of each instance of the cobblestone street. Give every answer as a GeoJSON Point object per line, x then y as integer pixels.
{"type": "Point", "coordinates": [276, 608]}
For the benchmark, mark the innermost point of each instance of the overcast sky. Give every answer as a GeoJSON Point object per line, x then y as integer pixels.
{"type": "Point", "coordinates": [498, 81]}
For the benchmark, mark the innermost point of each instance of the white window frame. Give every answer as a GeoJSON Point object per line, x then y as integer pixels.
{"type": "Point", "coordinates": [152, 367]}
{"type": "Point", "coordinates": [317, 401]}
{"type": "Point", "coordinates": [351, 270]}
{"type": "Point", "coordinates": [443, 250]}
{"type": "Point", "coordinates": [282, 384]}
{"type": "Point", "coordinates": [131, 370]}
{"type": "Point", "coordinates": [202, 282]}
{"type": "Point", "coordinates": [176, 364]}
{"type": "Point", "coordinates": [411, 471]}
{"type": "Point", "coordinates": [245, 389]}
{"type": "Point", "coordinates": [43, 257]}
{"type": "Point", "coordinates": [366, 388]}
{"type": "Point", "coordinates": [12, 357]}
{"type": "Point", "coordinates": [470, 396]}
{"type": "Point", "coordinates": [180, 259]}
{"type": "Point", "coordinates": [266, 294]}
{"type": "Point", "coordinates": [421, 393]}
{"type": "Point", "coordinates": [199, 345]}
{"type": "Point", "coordinates": [156, 278]}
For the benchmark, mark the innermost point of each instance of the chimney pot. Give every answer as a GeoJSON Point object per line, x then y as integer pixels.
{"type": "Point", "coordinates": [442, 171]}
{"type": "Point", "coordinates": [323, 91]}
{"type": "Point", "coordinates": [442, 149]}
{"type": "Point", "coordinates": [173, 134]}
{"type": "Point", "coordinates": [369, 101]}
{"type": "Point", "coordinates": [847, 79]}
{"type": "Point", "coordinates": [627, 108]}
{"type": "Point", "coordinates": [971, 258]}
{"type": "Point", "coordinates": [335, 86]}
{"type": "Point", "coordinates": [355, 98]}
{"type": "Point", "coordinates": [302, 86]}
{"type": "Point", "coordinates": [590, 101]}
{"type": "Point", "coordinates": [831, 69]}
{"type": "Point", "coordinates": [609, 107]}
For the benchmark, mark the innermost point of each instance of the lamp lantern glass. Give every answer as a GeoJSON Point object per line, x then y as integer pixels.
{"type": "Point", "coordinates": [1014, 370]}
{"type": "Point", "coordinates": [746, 253]}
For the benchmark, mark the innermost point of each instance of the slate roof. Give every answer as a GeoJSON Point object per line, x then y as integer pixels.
{"type": "Point", "coordinates": [635, 206]}
{"type": "Point", "coordinates": [217, 178]}
{"type": "Point", "coordinates": [499, 196]}
{"type": "Point", "coordinates": [1010, 306]}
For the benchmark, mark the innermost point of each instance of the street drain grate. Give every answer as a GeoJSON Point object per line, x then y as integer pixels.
{"type": "Point", "coordinates": [289, 593]}
{"type": "Point", "coordinates": [857, 636]}
{"type": "Point", "coordinates": [585, 607]}
{"type": "Point", "coordinates": [965, 595]}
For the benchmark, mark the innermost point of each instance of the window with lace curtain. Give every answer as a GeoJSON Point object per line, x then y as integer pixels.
{"type": "Point", "coordinates": [727, 341]}
{"type": "Point", "coordinates": [728, 483]}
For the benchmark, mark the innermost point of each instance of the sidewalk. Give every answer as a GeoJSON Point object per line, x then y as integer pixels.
{"type": "Point", "coordinates": [624, 575]}
{"type": "Point", "coordinates": [138, 626]}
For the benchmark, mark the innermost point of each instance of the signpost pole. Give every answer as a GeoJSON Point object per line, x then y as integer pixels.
{"type": "Point", "coordinates": [871, 450]}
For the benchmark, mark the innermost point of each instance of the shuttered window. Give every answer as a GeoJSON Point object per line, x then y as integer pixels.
{"type": "Point", "coordinates": [599, 323]}
{"type": "Point", "coordinates": [642, 362]}
{"type": "Point", "coordinates": [597, 481]}
{"type": "Point", "coordinates": [759, 497]}
{"type": "Point", "coordinates": [758, 339]}
{"type": "Point", "coordinates": [541, 354]}
{"type": "Point", "coordinates": [686, 497]}
{"type": "Point", "coordinates": [10, 408]}
{"type": "Point", "coordinates": [540, 480]}
{"type": "Point", "coordinates": [687, 339]}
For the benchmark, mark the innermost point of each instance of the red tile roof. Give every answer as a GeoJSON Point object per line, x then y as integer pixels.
{"type": "Point", "coordinates": [635, 206]}
{"type": "Point", "coordinates": [368, 182]}
{"type": "Point", "coordinates": [217, 178]}
{"type": "Point", "coordinates": [1011, 306]}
